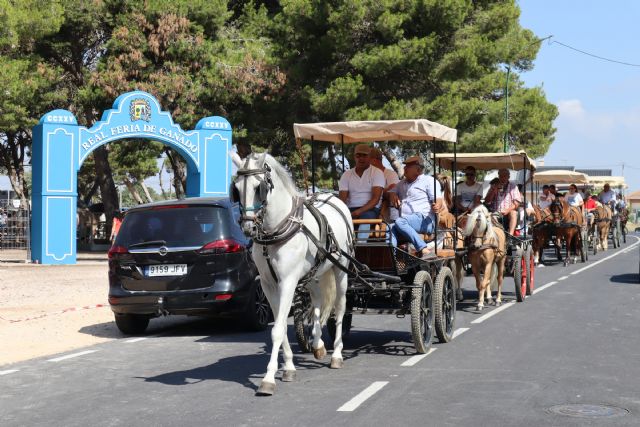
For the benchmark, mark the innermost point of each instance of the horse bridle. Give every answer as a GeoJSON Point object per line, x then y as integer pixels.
{"type": "Point", "coordinates": [263, 175]}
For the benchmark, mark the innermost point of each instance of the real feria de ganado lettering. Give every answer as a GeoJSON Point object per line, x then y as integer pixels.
{"type": "Point", "coordinates": [136, 128]}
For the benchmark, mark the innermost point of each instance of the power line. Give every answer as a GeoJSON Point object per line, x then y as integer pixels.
{"type": "Point", "coordinates": [593, 55]}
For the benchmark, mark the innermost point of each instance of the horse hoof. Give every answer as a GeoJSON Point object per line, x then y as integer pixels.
{"type": "Point", "coordinates": [336, 363]}
{"type": "Point", "coordinates": [479, 308]}
{"type": "Point", "coordinates": [319, 353]}
{"type": "Point", "coordinates": [266, 389]}
{"type": "Point", "coordinates": [289, 376]}
{"type": "Point", "coordinates": [498, 303]}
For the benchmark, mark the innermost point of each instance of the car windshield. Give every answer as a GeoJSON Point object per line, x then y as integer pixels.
{"type": "Point", "coordinates": [173, 226]}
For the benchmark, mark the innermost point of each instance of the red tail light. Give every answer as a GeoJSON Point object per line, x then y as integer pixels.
{"type": "Point", "coordinates": [223, 297]}
{"type": "Point", "coordinates": [225, 246]}
{"type": "Point", "coordinates": [117, 250]}
{"type": "Point", "coordinates": [160, 208]}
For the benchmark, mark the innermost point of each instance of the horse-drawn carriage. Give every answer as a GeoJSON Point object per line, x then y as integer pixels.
{"type": "Point", "coordinates": [619, 215]}
{"type": "Point", "coordinates": [519, 261]}
{"type": "Point", "coordinates": [388, 279]}
{"type": "Point", "coordinates": [563, 225]}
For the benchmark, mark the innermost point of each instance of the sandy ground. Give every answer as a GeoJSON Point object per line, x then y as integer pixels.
{"type": "Point", "coordinates": [33, 300]}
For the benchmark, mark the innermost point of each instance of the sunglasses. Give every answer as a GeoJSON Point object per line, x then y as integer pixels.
{"type": "Point", "coordinates": [361, 155]}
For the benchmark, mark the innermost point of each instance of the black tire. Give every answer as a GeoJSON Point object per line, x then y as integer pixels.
{"type": "Point", "coordinates": [258, 313]}
{"type": "Point", "coordinates": [584, 250]}
{"type": "Point", "coordinates": [346, 325]}
{"type": "Point", "coordinates": [520, 275]}
{"type": "Point", "coordinates": [422, 312]}
{"type": "Point", "coordinates": [531, 270]}
{"type": "Point", "coordinates": [444, 304]}
{"type": "Point", "coordinates": [624, 234]}
{"type": "Point", "coordinates": [595, 240]}
{"type": "Point", "coordinates": [303, 320]}
{"type": "Point", "coordinates": [614, 235]}
{"type": "Point", "coordinates": [132, 324]}
{"type": "Point", "coordinates": [619, 232]}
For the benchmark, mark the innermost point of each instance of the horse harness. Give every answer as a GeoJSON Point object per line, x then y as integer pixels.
{"type": "Point", "coordinates": [487, 243]}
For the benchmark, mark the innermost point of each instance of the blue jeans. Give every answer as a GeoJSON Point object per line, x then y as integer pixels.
{"type": "Point", "coordinates": [364, 229]}
{"type": "Point", "coordinates": [409, 226]}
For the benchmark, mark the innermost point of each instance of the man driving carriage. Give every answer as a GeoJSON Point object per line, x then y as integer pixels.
{"type": "Point", "coordinates": [417, 197]}
{"type": "Point", "coordinates": [608, 197]}
{"type": "Point", "coordinates": [505, 198]}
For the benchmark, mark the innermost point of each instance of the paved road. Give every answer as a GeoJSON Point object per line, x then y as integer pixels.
{"type": "Point", "coordinates": [575, 342]}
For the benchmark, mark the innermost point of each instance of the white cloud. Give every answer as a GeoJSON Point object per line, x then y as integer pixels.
{"type": "Point", "coordinates": [571, 108]}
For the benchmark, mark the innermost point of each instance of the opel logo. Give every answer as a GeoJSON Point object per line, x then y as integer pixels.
{"type": "Point", "coordinates": [163, 250]}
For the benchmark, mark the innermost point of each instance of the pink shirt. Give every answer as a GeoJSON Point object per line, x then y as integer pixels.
{"type": "Point", "coordinates": [505, 197]}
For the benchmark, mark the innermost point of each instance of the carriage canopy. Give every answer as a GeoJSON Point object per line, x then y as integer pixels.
{"type": "Point", "coordinates": [487, 161]}
{"type": "Point", "coordinates": [613, 181]}
{"type": "Point", "coordinates": [560, 176]}
{"type": "Point", "coordinates": [375, 130]}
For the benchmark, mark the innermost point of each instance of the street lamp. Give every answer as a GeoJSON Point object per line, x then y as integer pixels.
{"type": "Point", "coordinates": [506, 98]}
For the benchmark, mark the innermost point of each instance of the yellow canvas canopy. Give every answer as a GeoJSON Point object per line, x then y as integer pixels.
{"type": "Point", "coordinates": [487, 161]}
{"type": "Point", "coordinates": [613, 181]}
{"type": "Point", "coordinates": [375, 130]}
{"type": "Point", "coordinates": [560, 176]}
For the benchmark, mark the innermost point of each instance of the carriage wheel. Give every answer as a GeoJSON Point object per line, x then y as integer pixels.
{"type": "Point", "coordinates": [422, 312]}
{"type": "Point", "coordinates": [520, 275]}
{"type": "Point", "coordinates": [594, 240]}
{"type": "Point", "coordinates": [444, 305]}
{"type": "Point", "coordinates": [618, 231]}
{"type": "Point", "coordinates": [303, 320]}
{"type": "Point", "coordinates": [614, 232]}
{"type": "Point", "coordinates": [531, 271]}
{"type": "Point", "coordinates": [624, 234]}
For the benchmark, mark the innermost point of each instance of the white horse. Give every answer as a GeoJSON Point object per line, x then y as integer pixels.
{"type": "Point", "coordinates": [487, 253]}
{"type": "Point", "coordinates": [284, 253]}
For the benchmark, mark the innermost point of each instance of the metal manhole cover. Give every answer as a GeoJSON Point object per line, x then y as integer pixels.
{"type": "Point", "coordinates": [580, 410]}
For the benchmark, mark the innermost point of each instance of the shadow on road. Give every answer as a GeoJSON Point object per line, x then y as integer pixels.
{"type": "Point", "coordinates": [627, 278]}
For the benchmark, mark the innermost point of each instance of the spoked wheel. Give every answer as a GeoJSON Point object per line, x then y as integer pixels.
{"type": "Point", "coordinates": [624, 234]}
{"type": "Point", "coordinates": [618, 232]}
{"type": "Point", "coordinates": [614, 236]}
{"type": "Point", "coordinates": [422, 312]}
{"type": "Point", "coordinates": [303, 320]}
{"type": "Point", "coordinates": [584, 247]}
{"type": "Point", "coordinates": [520, 275]}
{"type": "Point", "coordinates": [444, 305]}
{"type": "Point", "coordinates": [531, 270]}
{"type": "Point", "coordinates": [594, 241]}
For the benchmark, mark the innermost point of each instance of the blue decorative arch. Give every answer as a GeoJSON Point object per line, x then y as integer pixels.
{"type": "Point", "coordinates": [60, 146]}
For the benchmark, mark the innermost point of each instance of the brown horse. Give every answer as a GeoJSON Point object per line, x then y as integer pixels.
{"type": "Point", "coordinates": [541, 231]}
{"type": "Point", "coordinates": [602, 219]}
{"type": "Point", "coordinates": [568, 222]}
{"type": "Point", "coordinates": [487, 253]}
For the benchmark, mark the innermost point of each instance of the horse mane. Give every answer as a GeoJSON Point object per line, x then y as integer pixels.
{"type": "Point", "coordinates": [281, 172]}
{"type": "Point", "coordinates": [445, 183]}
{"type": "Point", "coordinates": [481, 211]}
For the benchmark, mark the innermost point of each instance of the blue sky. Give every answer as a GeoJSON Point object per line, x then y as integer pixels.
{"type": "Point", "coordinates": [599, 101]}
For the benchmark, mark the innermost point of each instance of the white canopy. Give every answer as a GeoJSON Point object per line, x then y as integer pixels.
{"type": "Point", "coordinates": [613, 181]}
{"type": "Point", "coordinates": [560, 176]}
{"type": "Point", "coordinates": [376, 130]}
{"type": "Point", "coordinates": [487, 161]}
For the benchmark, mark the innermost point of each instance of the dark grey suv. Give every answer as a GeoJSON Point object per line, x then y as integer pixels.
{"type": "Point", "coordinates": [184, 257]}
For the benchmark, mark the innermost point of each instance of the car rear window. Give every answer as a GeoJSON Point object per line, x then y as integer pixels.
{"type": "Point", "coordinates": [177, 226]}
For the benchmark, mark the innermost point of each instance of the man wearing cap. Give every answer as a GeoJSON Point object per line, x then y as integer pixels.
{"type": "Point", "coordinates": [469, 192]}
{"type": "Point", "coordinates": [418, 199]}
{"type": "Point", "coordinates": [505, 199]}
{"type": "Point", "coordinates": [361, 187]}
{"type": "Point", "coordinates": [546, 197]}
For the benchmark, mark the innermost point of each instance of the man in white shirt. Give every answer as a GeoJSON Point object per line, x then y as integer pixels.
{"type": "Point", "coordinates": [607, 195]}
{"type": "Point", "coordinates": [362, 186]}
{"type": "Point", "coordinates": [546, 197]}
{"type": "Point", "coordinates": [468, 192]}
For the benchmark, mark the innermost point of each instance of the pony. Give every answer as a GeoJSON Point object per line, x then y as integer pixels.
{"type": "Point", "coordinates": [296, 242]}
{"type": "Point", "coordinates": [487, 253]}
{"type": "Point", "coordinates": [568, 221]}
{"type": "Point", "coordinates": [602, 217]}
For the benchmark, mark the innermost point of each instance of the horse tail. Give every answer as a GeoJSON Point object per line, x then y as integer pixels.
{"type": "Point", "coordinates": [327, 286]}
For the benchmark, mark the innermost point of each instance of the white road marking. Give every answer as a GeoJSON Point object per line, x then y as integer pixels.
{"type": "Point", "coordinates": [8, 371]}
{"type": "Point", "coordinates": [136, 339]}
{"type": "Point", "coordinates": [602, 260]}
{"type": "Point", "coordinates": [493, 312]}
{"type": "Point", "coordinates": [459, 332]}
{"type": "Point", "coordinates": [562, 278]}
{"type": "Point", "coordinates": [69, 356]}
{"type": "Point", "coordinates": [362, 396]}
{"type": "Point", "coordinates": [418, 357]}
{"type": "Point", "coordinates": [543, 287]}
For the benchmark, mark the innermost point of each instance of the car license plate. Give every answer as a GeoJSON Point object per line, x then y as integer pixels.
{"type": "Point", "coordinates": [167, 270]}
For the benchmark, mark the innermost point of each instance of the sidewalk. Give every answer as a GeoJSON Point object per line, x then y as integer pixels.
{"type": "Point", "coordinates": [18, 257]}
